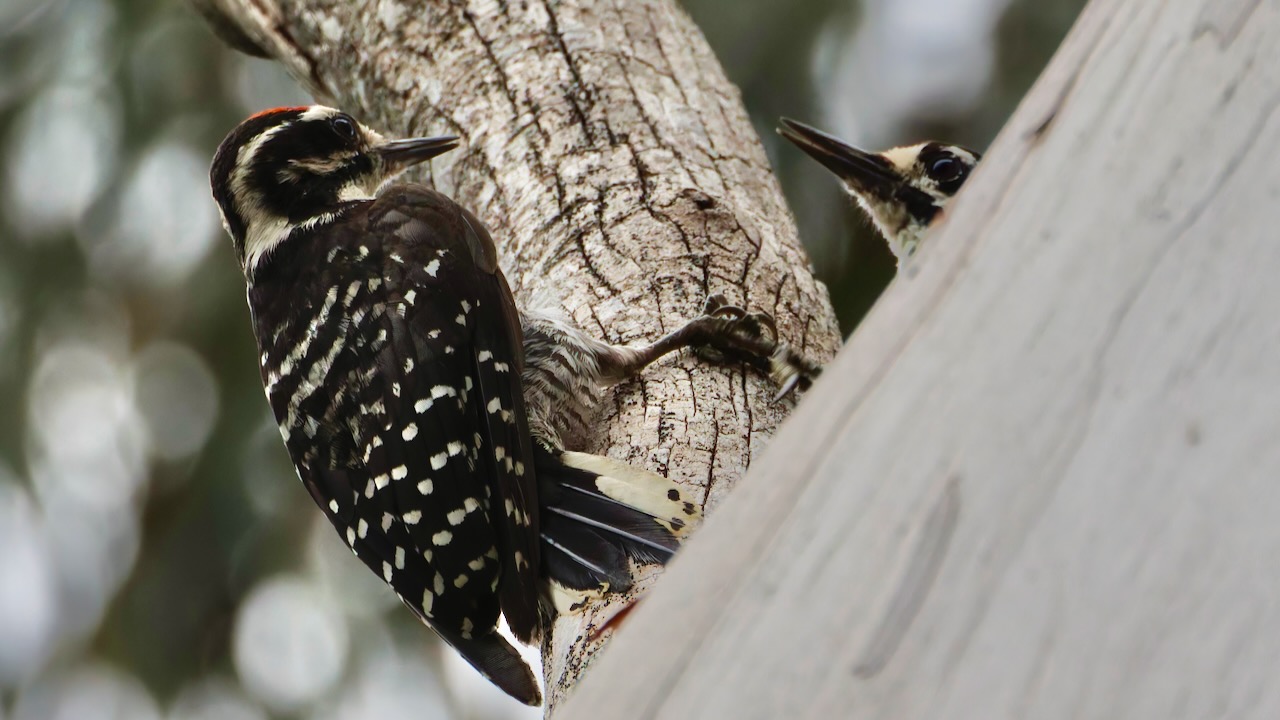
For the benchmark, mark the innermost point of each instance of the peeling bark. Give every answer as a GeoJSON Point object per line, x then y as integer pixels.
{"type": "Point", "coordinates": [621, 178]}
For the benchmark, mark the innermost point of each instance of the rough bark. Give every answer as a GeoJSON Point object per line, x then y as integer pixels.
{"type": "Point", "coordinates": [620, 175]}
{"type": "Point", "coordinates": [1044, 483]}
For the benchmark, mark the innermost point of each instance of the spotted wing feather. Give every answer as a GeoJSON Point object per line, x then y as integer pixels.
{"type": "Point", "coordinates": [393, 373]}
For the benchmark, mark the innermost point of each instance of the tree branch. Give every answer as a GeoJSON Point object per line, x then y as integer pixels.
{"type": "Point", "coordinates": [619, 174]}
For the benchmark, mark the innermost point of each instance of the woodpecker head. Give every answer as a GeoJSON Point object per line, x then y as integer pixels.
{"type": "Point", "coordinates": [298, 167]}
{"type": "Point", "coordinates": [903, 189]}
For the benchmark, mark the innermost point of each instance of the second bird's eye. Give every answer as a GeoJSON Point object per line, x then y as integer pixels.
{"type": "Point", "coordinates": [945, 169]}
{"type": "Point", "coordinates": [344, 126]}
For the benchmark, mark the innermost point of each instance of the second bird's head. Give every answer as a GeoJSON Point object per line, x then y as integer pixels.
{"type": "Point", "coordinates": [298, 167]}
{"type": "Point", "coordinates": [903, 190]}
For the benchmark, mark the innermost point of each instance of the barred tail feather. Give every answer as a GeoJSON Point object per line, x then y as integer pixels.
{"type": "Point", "coordinates": [598, 513]}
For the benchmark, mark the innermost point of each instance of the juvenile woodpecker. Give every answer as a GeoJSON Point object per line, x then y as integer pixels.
{"type": "Point", "coordinates": [903, 190]}
{"type": "Point", "coordinates": [391, 352]}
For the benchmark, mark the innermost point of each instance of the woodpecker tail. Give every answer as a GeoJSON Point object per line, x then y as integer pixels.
{"type": "Point", "coordinates": [597, 513]}
{"type": "Point", "coordinates": [499, 662]}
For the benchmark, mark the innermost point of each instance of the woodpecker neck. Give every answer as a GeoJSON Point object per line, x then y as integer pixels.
{"type": "Point", "coordinates": [265, 238]}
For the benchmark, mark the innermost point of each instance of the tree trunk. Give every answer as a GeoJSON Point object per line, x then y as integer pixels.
{"type": "Point", "coordinates": [1040, 481]}
{"type": "Point", "coordinates": [618, 171]}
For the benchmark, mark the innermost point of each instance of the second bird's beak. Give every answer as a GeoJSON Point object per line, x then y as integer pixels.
{"type": "Point", "coordinates": [861, 170]}
{"type": "Point", "coordinates": [401, 154]}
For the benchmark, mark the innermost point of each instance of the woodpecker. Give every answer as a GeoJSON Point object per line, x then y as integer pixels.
{"type": "Point", "coordinates": [423, 420]}
{"type": "Point", "coordinates": [903, 190]}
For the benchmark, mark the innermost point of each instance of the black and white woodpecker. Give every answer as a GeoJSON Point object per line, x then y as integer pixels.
{"type": "Point", "coordinates": [392, 355]}
{"type": "Point", "coordinates": [903, 190]}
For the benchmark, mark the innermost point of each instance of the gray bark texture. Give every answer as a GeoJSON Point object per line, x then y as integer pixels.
{"type": "Point", "coordinates": [1041, 478]}
{"type": "Point", "coordinates": [620, 176]}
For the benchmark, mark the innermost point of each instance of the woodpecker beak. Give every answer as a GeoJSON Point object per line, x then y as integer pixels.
{"type": "Point", "coordinates": [864, 171]}
{"type": "Point", "coordinates": [401, 154]}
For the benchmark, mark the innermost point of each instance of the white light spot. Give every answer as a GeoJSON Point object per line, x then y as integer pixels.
{"type": "Point", "coordinates": [494, 405]}
{"type": "Point", "coordinates": [455, 517]}
{"type": "Point", "coordinates": [399, 557]}
{"type": "Point", "coordinates": [333, 506]}
{"type": "Point", "coordinates": [432, 267]}
{"type": "Point", "coordinates": [454, 448]}
{"type": "Point", "coordinates": [459, 581]}
{"type": "Point", "coordinates": [408, 365]}
{"type": "Point", "coordinates": [428, 599]}
{"type": "Point", "coordinates": [501, 367]}
{"type": "Point", "coordinates": [386, 571]}
{"type": "Point", "coordinates": [59, 154]}
{"type": "Point", "coordinates": [476, 565]}
{"type": "Point", "coordinates": [441, 538]}
{"type": "Point", "coordinates": [471, 504]}
{"type": "Point", "coordinates": [178, 396]}
{"type": "Point", "coordinates": [289, 644]}
{"type": "Point", "coordinates": [410, 432]}
{"type": "Point", "coordinates": [362, 529]}
{"type": "Point", "coordinates": [409, 296]}
{"type": "Point", "coordinates": [212, 698]}
{"type": "Point", "coordinates": [426, 487]}
{"type": "Point", "coordinates": [439, 583]}
{"type": "Point", "coordinates": [412, 517]}
{"type": "Point", "coordinates": [381, 480]}
{"type": "Point", "coordinates": [484, 356]}
{"type": "Point", "coordinates": [399, 472]}
{"type": "Point", "coordinates": [422, 405]}
{"type": "Point", "coordinates": [440, 391]}
{"type": "Point", "coordinates": [461, 320]}
{"type": "Point", "coordinates": [351, 537]}
{"type": "Point", "coordinates": [438, 460]}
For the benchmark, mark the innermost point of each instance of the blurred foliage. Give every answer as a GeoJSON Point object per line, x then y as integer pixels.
{"type": "Point", "coordinates": [144, 493]}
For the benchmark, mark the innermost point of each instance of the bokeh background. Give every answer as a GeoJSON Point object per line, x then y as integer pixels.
{"type": "Point", "coordinates": [157, 556]}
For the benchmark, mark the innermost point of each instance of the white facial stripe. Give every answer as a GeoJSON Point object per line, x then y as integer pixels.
{"type": "Point", "coordinates": [904, 158]}
{"type": "Point", "coordinates": [262, 229]}
{"type": "Point", "coordinates": [321, 166]}
{"type": "Point", "coordinates": [356, 189]}
{"type": "Point", "coordinates": [319, 112]}
{"type": "Point", "coordinates": [964, 155]}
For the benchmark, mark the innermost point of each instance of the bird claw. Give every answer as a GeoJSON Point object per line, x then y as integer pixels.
{"type": "Point", "coordinates": [752, 337]}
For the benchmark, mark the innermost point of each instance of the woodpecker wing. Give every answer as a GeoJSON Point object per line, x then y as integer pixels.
{"type": "Point", "coordinates": [452, 394]}
{"type": "Point", "coordinates": [391, 354]}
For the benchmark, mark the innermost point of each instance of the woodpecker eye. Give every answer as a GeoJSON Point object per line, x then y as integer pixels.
{"type": "Point", "coordinates": [946, 169]}
{"type": "Point", "coordinates": [344, 126]}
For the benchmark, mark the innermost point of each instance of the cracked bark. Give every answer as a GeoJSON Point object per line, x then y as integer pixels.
{"type": "Point", "coordinates": [620, 176]}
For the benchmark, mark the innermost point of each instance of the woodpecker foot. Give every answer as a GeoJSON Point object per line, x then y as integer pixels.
{"type": "Point", "coordinates": [732, 334]}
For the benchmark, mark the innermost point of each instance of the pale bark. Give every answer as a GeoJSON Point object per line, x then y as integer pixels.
{"type": "Point", "coordinates": [1041, 479]}
{"type": "Point", "coordinates": [619, 173]}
